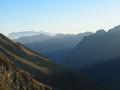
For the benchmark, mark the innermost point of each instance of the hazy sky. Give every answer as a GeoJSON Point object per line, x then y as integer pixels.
{"type": "Point", "coordinates": [66, 16]}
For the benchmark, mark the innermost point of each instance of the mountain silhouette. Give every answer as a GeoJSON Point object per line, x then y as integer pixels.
{"type": "Point", "coordinates": [96, 48]}
{"type": "Point", "coordinates": [98, 56]}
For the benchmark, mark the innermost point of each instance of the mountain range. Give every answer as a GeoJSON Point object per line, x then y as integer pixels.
{"type": "Point", "coordinates": [16, 35]}
{"type": "Point", "coordinates": [33, 39]}
{"type": "Point", "coordinates": [24, 69]}
{"type": "Point", "coordinates": [94, 55]}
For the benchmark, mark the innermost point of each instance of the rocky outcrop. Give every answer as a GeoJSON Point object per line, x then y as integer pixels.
{"type": "Point", "coordinates": [12, 78]}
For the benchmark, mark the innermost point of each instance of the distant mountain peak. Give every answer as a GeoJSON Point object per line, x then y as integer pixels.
{"type": "Point", "coordinates": [100, 31]}
{"type": "Point", "coordinates": [59, 35]}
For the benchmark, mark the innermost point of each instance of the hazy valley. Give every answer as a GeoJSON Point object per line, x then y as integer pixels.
{"type": "Point", "coordinates": [59, 45]}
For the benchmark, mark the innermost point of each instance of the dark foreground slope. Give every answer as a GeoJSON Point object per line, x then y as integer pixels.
{"type": "Point", "coordinates": [44, 70]}
{"type": "Point", "coordinates": [12, 78]}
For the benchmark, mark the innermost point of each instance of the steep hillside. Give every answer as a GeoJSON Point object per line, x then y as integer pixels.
{"type": "Point", "coordinates": [43, 69]}
{"type": "Point", "coordinates": [96, 48]}
{"type": "Point", "coordinates": [12, 78]}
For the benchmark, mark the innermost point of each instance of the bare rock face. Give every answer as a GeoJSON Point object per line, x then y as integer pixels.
{"type": "Point", "coordinates": [12, 78]}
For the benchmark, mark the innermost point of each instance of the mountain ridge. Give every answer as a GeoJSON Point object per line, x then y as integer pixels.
{"type": "Point", "coordinates": [98, 56]}
{"type": "Point", "coordinates": [94, 43]}
{"type": "Point", "coordinates": [55, 46]}
{"type": "Point", "coordinates": [16, 35]}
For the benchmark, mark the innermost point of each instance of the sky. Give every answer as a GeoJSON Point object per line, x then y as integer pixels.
{"type": "Point", "coordinates": [58, 16]}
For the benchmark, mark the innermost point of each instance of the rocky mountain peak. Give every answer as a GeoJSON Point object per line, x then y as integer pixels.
{"type": "Point", "coordinates": [101, 31]}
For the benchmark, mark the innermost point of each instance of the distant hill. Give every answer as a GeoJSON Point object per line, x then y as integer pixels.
{"type": "Point", "coordinates": [33, 39]}
{"type": "Point", "coordinates": [98, 55]}
{"type": "Point", "coordinates": [57, 47]}
{"type": "Point", "coordinates": [16, 35]}
{"type": "Point", "coordinates": [42, 69]}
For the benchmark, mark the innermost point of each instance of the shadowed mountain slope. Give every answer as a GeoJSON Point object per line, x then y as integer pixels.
{"type": "Point", "coordinates": [43, 69]}
{"type": "Point", "coordinates": [96, 48]}
{"type": "Point", "coordinates": [98, 56]}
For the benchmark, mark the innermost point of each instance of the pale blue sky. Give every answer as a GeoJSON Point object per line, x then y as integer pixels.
{"type": "Point", "coordinates": [66, 16]}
